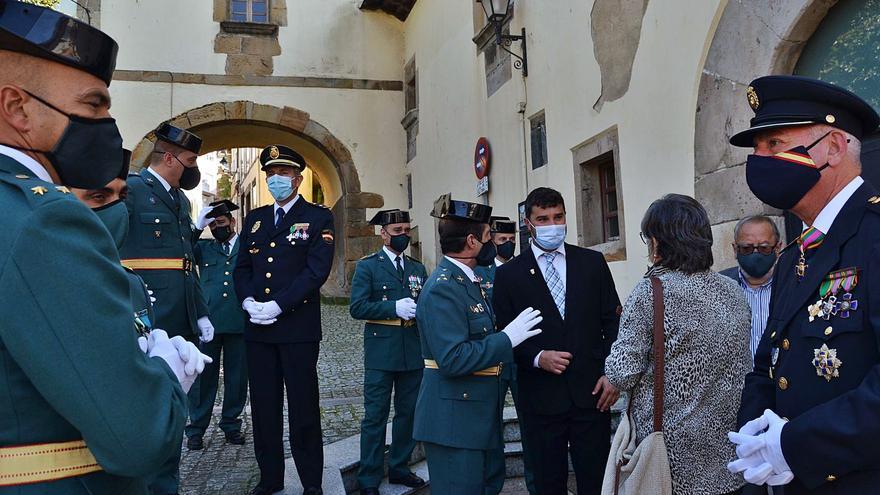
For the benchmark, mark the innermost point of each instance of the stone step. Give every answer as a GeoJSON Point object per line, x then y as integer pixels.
{"type": "Point", "coordinates": [421, 470]}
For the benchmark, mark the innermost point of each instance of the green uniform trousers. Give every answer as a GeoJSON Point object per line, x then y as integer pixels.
{"type": "Point", "coordinates": [204, 391]}
{"type": "Point", "coordinates": [497, 467]}
{"type": "Point", "coordinates": [456, 471]}
{"type": "Point", "coordinates": [378, 385]}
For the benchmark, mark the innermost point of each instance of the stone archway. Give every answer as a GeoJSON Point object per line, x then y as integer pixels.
{"type": "Point", "coordinates": [753, 38]}
{"type": "Point", "coordinates": [239, 124]}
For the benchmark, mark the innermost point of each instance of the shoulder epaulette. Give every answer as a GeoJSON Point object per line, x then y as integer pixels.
{"type": "Point", "coordinates": [369, 256]}
{"type": "Point", "coordinates": [37, 191]}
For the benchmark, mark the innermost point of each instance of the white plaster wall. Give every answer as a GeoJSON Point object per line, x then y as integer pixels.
{"type": "Point", "coordinates": [655, 119]}
{"type": "Point", "coordinates": [328, 38]}
{"type": "Point", "coordinates": [367, 122]}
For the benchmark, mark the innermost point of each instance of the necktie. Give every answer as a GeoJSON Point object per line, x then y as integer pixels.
{"type": "Point", "coordinates": [554, 283]}
{"type": "Point", "coordinates": [226, 248]}
{"type": "Point", "coordinates": [808, 242]}
{"type": "Point", "coordinates": [174, 197]}
{"type": "Point", "coordinates": [279, 216]}
{"type": "Point", "coordinates": [399, 267]}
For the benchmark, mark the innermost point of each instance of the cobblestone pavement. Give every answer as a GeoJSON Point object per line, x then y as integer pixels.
{"type": "Point", "coordinates": [231, 469]}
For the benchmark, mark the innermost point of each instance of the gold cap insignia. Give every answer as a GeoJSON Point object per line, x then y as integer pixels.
{"type": "Point", "coordinates": [274, 153]}
{"type": "Point", "coordinates": [754, 102]}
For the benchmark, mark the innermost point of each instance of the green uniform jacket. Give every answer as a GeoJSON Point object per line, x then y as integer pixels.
{"type": "Point", "coordinates": [487, 279]}
{"type": "Point", "coordinates": [456, 408]}
{"type": "Point", "coordinates": [159, 229]}
{"type": "Point", "coordinates": [374, 290]}
{"type": "Point", "coordinates": [215, 272]}
{"type": "Point", "coordinates": [70, 366]}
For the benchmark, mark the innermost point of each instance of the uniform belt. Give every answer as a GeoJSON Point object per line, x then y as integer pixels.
{"type": "Point", "coordinates": [396, 322]}
{"type": "Point", "coordinates": [25, 464]}
{"type": "Point", "coordinates": [184, 264]}
{"type": "Point", "coordinates": [490, 371]}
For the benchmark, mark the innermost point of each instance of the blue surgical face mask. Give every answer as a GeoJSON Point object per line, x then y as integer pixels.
{"type": "Point", "coordinates": [549, 237]}
{"type": "Point", "coordinates": [280, 187]}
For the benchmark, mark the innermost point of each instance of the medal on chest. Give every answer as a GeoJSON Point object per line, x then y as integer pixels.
{"type": "Point", "coordinates": [298, 231]}
{"type": "Point", "coordinates": [415, 286]}
{"type": "Point", "coordinates": [826, 362]}
{"type": "Point", "coordinates": [835, 295]}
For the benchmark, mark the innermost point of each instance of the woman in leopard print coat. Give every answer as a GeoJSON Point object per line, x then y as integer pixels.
{"type": "Point", "coordinates": [707, 322]}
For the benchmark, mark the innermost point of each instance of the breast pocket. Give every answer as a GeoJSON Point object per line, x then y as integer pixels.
{"type": "Point", "coordinates": [156, 230]}
{"type": "Point", "coordinates": [207, 270]}
{"type": "Point", "coordinates": [480, 324]}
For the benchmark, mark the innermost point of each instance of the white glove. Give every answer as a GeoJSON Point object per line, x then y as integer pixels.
{"type": "Point", "coordinates": [261, 313]}
{"type": "Point", "coordinates": [180, 355]}
{"type": "Point", "coordinates": [152, 299]}
{"type": "Point", "coordinates": [143, 344]}
{"type": "Point", "coordinates": [202, 221]}
{"type": "Point", "coordinates": [520, 328]}
{"type": "Point", "coordinates": [251, 306]}
{"type": "Point", "coordinates": [206, 329]}
{"type": "Point", "coordinates": [405, 308]}
{"type": "Point", "coordinates": [760, 454]}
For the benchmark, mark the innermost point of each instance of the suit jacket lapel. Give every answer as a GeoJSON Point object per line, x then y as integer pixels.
{"type": "Point", "coordinates": [389, 265]}
{"type": "Point", "coordinates": [159, 189]}
{"type": "Point", "coordinates": [826, 258]}
{"type": "Point", "coordinates": [234, 250]}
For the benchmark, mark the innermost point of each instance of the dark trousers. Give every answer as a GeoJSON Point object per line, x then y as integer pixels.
{"type": "Point", "coordinates": [204, 391]}
{"type": "Point", "coordinates": [497, 461]}
{"type": "Point", "coordinates": [378, 385]}
{"type": "Point", "coordinates": [271, 369]}
{"type": "Point", "coordinates": [457, 471]}
{"type": "Point", "coordinates": [584, 434]}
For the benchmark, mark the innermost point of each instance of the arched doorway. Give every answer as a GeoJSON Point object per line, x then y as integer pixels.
{"type": "Point", "coordinates": [245, 124]}
{"type": "Point", "coordinates": [752, 39]}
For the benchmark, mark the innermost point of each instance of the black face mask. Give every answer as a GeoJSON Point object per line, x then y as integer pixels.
{"type": "Point", "coordinates": [783, 179]}
{"type": "Point", "coordinates": [506, 249]}
{"type": "Point", "coordinates": [486, 256]}
{"type": "Point", "coordinates": [399, 242]}
{"type": "Point", "coordinates": [88, 154]}
{"type": "Point", "coordinates": [190, 178]}
{"type": "Point", "coordinates": [222, 234]}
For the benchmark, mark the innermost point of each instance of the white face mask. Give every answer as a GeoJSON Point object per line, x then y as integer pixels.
{"type": "Point", "coordinates": [549, 237]}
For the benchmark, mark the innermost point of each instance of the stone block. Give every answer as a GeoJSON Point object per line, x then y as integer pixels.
{"type": "Point", "coordinates": [238, 110]}
{"type": "Point", "coordinates": [266, 113]}
{"type": "Point", "coordinates": [264, 46]}
{"type": "Point", "coordinates": [189, 78]}
{"type": "Point", "coordinates": [294, 119]}
{"type": "Point", "coordinates": [722, 251]}
{"type": "Point", "coordinates": [349, 176]}
{"type": "Point", "coordinates": [240, 65]}
{"type": "Point", "coordinates": [224, 43]}
{"type": "Point", "coordinates": [726, 196]}
{"type": "Point", "coordinates": [221, 10]}
{"type": "Point", "coordinates": [330, 143]}
{"type": "Point", "coordinates": [278, 12]}
{"type": "Point", "coordinates": [364, 200]}
{"type": "Point", "coordinates": [181, 121]}
{"type": "Point", "coordinates": [141, 154]}
{"type": "Point", "coordinates": [154, 76]}
{"type": "Point", "coordinates": [214, 112]}
{"type": "Point", "coordinates": [360, 229]}
{"type": "Point", "coordinates": [358, 247]}
{"type": "Point", "coordinates": [722, 110]}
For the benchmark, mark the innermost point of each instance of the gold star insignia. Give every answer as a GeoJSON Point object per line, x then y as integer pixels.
{"type": "Point", "coordinates": [22, 176]}
{"type": "Point", "coordinates": [39, 190]}
{"type": "Point", "coordinates": [62, 189]}
{"type": "Point", "coordinates": [874, 200]}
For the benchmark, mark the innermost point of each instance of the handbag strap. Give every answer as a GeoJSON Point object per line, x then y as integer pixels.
{"type": "Point", "coordinates": [659, 362]}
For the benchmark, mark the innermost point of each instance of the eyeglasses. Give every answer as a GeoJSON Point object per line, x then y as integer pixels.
{"type": "Point", "coordinates": [747, 249]}
{"type": "Point", "coordinates": [643, 238]}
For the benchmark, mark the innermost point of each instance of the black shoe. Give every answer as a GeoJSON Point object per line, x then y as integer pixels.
{"type": "Point", "coordinates": [235, 438]}
{"type": "Point", "coordinates": [410, 480]}
{"type": "Point", "coordinates": [314, 491]}
{"type": "Point", "coordinates": [259, 490]}
{"type": "Point", "coordinates": [369, 491]}
{"type": "Point", "coordinates": [195, 442]}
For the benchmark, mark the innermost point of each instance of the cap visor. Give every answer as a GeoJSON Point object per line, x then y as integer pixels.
{"type": "Point", "coordinates": [745, 139]}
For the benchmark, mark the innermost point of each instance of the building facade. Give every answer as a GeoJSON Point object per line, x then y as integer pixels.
{"type": "Point", "coordinates": [624, 100]}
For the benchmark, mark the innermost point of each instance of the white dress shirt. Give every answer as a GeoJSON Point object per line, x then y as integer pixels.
{"type": "Point", "coordinates": [161, 179]}
{"type": "Point", "coordinates": [393, 256]}
{"type": "Point", "coordinates": [28, 162]}
{"type": "Point", "coordinates": [286, 207]}
{"type": "Point", "coordinates": [498, 262]}
{"type": "Point", "coordinates": [559, 264]}
{"type": "Point", "coordinates": [466, 269]}
{"type": "Point", "coordinates": [826, 217]}
{"type": "Point", "coordinates": [231, 241]}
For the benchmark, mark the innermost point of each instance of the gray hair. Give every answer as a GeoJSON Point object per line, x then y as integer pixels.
{"type": "Point", "coordinates": [756, 219]}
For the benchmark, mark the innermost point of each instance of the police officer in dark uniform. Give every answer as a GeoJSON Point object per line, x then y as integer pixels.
{"type": "Point", "coordinates": [458, 412]}
{"type": "Point", "coordinates": [216, 259]}
{"type": "Point", "coordinates": [85, 410]}
{"type": "Point", "coordinates": [810, 406]}
{"type": "Point", "coordinates": [159, 247]}
{"type": "Point", "coordinates": [384, 292]}
{"type": "Point", "coordinates": [285, 257]}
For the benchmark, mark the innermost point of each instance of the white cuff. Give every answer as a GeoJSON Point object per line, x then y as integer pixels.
{"type": "Point", "coordinates": [537, 359]}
